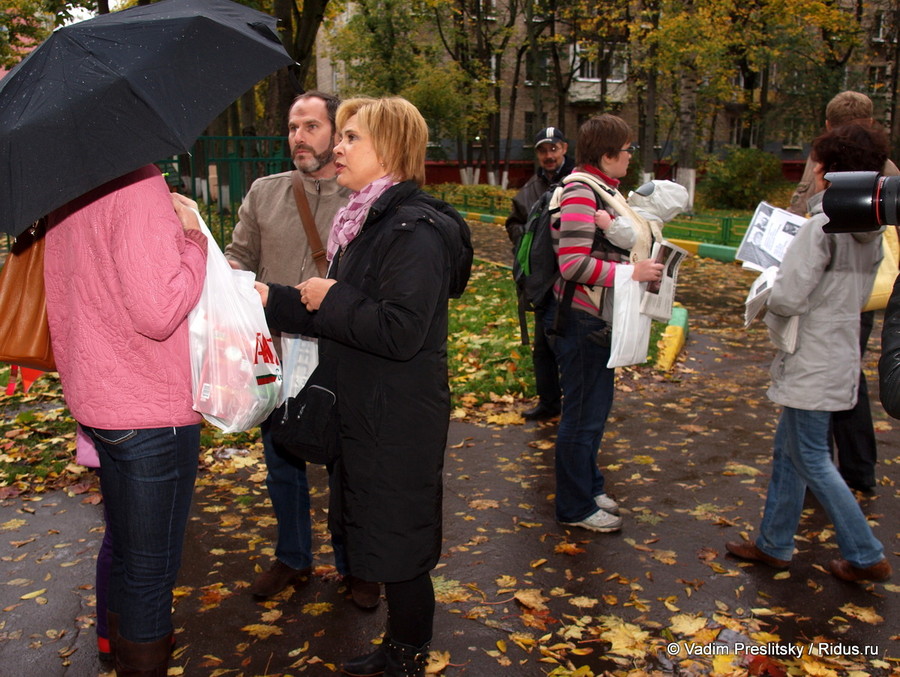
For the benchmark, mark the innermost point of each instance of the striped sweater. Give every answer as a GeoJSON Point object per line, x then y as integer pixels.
{"type": "Point", "coordinates": [573, 239]}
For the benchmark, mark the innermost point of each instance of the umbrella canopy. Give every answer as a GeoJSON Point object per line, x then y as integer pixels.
{"type": "Point", "coordinates": [106, 96]}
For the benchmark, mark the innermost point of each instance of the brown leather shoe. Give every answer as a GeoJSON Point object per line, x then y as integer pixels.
{"type": "Point", "coordinates": [143, 659]}
{"type": "Point", "coordinates": [365, 594]}
{"type": "Point", "coordinates": [880, 571]}
{"type": "Point", "coordinates": [749, 551]}
{"type": "Point", "coordinates": [277, 578]}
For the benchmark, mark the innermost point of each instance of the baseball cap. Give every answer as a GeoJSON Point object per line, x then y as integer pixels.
{"type": "Point", "coordinates": [549, 135]}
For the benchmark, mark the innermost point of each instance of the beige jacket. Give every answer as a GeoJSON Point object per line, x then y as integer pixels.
{"type": "Point", "coordinates": [269, 239]}
{"type": "Point", "coordinates": [806, 188]}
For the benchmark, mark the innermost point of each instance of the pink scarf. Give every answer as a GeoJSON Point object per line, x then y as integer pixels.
{"type": "Point", "coordinates": [351, 217]}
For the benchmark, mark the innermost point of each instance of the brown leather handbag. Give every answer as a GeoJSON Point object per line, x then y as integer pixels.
{"type": "Point", "coordinates": [24, 332]}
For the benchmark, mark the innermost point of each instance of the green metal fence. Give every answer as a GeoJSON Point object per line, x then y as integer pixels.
{"type": "Point", "coordinates": [482, 204]}
{"type": "Point", "coordinates": [219, 170]}
{"type": "Point", "coordinates": [725, 230]}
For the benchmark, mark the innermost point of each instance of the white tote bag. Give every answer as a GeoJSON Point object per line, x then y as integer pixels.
{"type": "Point", "coordinates": [299, 356]}
{"type": "Point", "coordinates": [630, 327]}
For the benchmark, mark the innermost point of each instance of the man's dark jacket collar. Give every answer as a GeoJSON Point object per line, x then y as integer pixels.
{"type": "Point", "coordinates": [565, 169]}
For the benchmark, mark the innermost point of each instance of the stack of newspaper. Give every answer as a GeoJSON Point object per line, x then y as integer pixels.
{"type": "Point", "coordinates": [767, 238]}
{"type": "Point", "coordinates": [659, 297]}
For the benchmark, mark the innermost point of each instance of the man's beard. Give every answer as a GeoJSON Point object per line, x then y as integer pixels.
{"type": "Point", "coordinates": [310, 165]}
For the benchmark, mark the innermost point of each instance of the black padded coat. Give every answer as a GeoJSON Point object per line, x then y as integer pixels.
{"type": "Point", "coordinates": [889, 362]}
{"type": "Point", "coordinates": [384, 324]}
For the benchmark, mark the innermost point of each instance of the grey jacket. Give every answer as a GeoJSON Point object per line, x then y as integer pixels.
{"type": "Point", "coordinates": [825, 278]}
{"type": "Point", "coordinates": [269, 239]}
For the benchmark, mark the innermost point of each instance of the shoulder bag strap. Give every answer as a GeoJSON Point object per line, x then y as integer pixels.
{"type": "Point", "coordinates": [309, 223]}
{"type": "Point", "coordinates": [648, 232]}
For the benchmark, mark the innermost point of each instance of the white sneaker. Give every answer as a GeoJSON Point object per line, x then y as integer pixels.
{"type": "Point", "coordinates": [604, 502]}
{"type": "Point", "coordinates": [600, 521]}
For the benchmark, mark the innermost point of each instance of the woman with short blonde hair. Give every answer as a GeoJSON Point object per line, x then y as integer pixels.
{"type": "Point", "coordinates": [399, 133]}
{"type": "Point", "coordinates": [397, 255]}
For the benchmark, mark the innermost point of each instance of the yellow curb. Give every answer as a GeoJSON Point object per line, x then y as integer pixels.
{"type": "Point", "coordinates": [673, 338]}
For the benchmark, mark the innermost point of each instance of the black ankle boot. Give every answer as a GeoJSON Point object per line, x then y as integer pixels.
{"type": "Point", "coordinates": [368, 665]}
{"type": "Point", "coordinates": [404, 660]}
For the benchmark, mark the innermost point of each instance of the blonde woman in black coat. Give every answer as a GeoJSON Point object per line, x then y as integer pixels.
{"type": "Point", "coordinates": [397, 255]}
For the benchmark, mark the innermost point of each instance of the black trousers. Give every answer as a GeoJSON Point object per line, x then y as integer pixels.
{"type": "Point", "coordinates": [546, 372]}
{"type": "Point", "coordinates": [852, 430]}
{"type": "Point", "coordinates": [411, 610]}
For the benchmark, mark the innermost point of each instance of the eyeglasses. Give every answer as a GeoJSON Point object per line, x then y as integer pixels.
{"type": "Point", "coordinates": [632, 149]}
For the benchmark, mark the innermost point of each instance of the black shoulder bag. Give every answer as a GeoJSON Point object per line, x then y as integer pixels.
{"type": "Point", "coordinates": [307, 425]}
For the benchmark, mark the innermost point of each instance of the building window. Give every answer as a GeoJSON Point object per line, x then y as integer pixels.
{"type": "Point", "coordinates": [488, 9]}
{"type": "Point", "coordinates": [737, 131]}
{"type": "Point", "coordinates": [793, 134]}
{"type": "Point", "coordinates": [590, 69]}
{"type": "Point", "coordinates": [536, 69]}
{"type": "Point", "coordinates": [533, 124]}
{"type": "Point", "coordinates": [878, 80]}
{"type": "Point", "coordinates": [879, 30]}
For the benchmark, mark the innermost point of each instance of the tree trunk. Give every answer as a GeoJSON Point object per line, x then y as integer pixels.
{"type": "Point", "coordinates": [647, 132]}
{"type": "Point", "coordinates": [298, 29]}
{"type": "Point", "coordinates": [248, 113]}
{"type": "Point", "coordinates": [511, 116]}
{"type": "Point", "coordinates": [686, 173]}
{"type": "Point", "coordinates": [763, 107]}
{"type": "Point", "coordinates": [893, 103]}
{"type": "Point", "coordinates": [646, 59]}
{"type": "Point", "coordinates": [533, 57]}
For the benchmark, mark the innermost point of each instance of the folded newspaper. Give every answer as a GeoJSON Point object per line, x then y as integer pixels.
{"type": "Point", "coordinates": [782, 330]}
{"type": "Point", "coordinates": [770, 232]}
{"type": "Point", "coordinates": [659, 297]}
{"type": "Point", "coordinates": [759, 293]}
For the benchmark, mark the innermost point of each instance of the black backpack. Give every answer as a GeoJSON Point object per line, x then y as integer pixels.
{"type": "Point", "coordinates": [453, 230]}
{"type": "Point", "coordinates": [535, 266]}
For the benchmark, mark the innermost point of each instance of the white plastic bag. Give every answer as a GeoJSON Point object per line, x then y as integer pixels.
{"type": "Point", "coordinates": [236, 373]}
{"type": "Point", "coordinates": [299, 356]}
{"type": "Point", "coordinates": [630, 327]}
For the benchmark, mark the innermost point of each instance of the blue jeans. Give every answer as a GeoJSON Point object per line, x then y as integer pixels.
{"type": "Point", "coordinates": [147, 481]}
{"type": "Point", "coordinates": [803, 459]}
{"type": "Point", "coordinates": [289, 492]}
{"type": "Point", "coordinates": [587, 396]}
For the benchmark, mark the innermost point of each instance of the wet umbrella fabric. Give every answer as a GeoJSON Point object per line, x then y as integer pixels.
{"type": "Point", "coordinates": [105, 96]}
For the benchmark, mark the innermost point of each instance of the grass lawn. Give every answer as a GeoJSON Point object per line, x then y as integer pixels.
{"type": "Point", "coordinates": [488, 366]}
{"type": "Point", "coordinates": [487, 359]}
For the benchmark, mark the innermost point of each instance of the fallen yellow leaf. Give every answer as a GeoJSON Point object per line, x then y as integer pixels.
{"type": "Point", "coordinates": [531, 598]}
{"type": "Point", "coordinates": [316, 608]}
{"type": "Point", "coordinates": [262, 631]}
{"type": "Point", "coordinates": [864, 614]}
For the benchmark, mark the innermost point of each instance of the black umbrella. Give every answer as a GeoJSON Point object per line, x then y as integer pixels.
{"type": "Point", "coordinates": [105, 96]}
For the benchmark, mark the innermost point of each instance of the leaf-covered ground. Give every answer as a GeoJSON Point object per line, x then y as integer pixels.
{"type": "Point", "coordinates": [687, 454]}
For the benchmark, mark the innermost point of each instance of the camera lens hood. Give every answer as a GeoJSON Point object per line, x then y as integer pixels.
{"type": "Point", "coordinates": [851, 202]}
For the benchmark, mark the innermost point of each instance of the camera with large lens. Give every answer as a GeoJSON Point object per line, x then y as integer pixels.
{"type": "Point", "coordinates": [856, 202]}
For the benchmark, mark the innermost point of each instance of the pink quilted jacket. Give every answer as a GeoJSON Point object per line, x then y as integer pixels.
{"type": "Point", "coordinates": [121, 277]}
